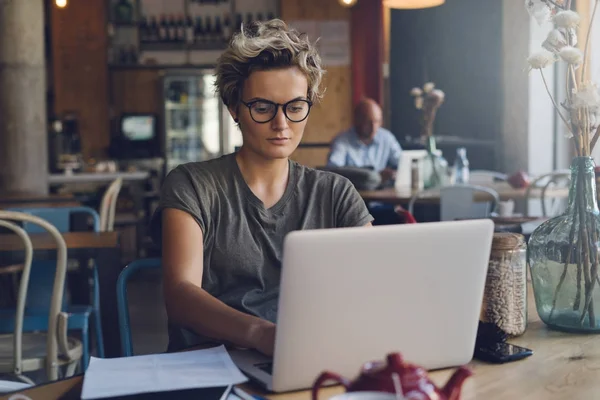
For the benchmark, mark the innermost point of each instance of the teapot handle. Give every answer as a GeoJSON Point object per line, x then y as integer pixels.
{"type": "Point", "coordinates": [328, 376]}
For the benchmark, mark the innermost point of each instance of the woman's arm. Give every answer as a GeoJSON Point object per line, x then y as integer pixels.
{"type": "Point", "coordinates": [189, 305]}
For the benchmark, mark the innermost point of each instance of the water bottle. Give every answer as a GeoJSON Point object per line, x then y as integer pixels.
{"type": "Point", "coordinates": [460, 171]}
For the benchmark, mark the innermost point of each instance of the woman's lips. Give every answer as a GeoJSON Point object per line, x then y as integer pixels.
{"type": "Point", "coordinates": [279, 141]}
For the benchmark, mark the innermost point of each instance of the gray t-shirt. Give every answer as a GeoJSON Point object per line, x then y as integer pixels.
{"type": "Point", "coordinates": [243, 241]}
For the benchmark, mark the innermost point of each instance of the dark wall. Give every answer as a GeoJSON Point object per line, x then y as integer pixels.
{"type": "Point", "coordinates": [459, 47]}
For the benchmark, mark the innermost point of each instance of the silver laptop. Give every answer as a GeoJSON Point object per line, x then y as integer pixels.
{"type": "Point", "coordinates": [353, 295]}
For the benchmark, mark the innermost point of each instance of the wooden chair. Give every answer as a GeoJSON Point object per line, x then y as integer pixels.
{"type": "Point", "coordinates": [82, 316]}
{"type": "Point", "coordinates": [544, 182]}
{"type": "Point", "coordinates": [108, 205]}
{"type": "Point", "coordinates": [24, 352]}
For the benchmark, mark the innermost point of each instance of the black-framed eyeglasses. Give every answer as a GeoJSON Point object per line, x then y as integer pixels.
{"type": "Point", "coordinates": [263, 111]}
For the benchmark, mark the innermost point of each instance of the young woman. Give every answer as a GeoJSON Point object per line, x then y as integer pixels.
{"type": "Point", "coordinates": [222, 222]}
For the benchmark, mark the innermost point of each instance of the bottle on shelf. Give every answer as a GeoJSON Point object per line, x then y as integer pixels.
{"type": "Point", "coordinates": [209, 33]}
{"type": "Point", "coordinates": [270, 15]}
{"type": "Point", "coordinates": [189, 30]}
{"type": "Point", "coordinates": [199, 31]}
{"type": "Point", "coordinates": [181, 29]}
{"type": "Point", "coordinates": [153, 30]}
{"type": "Point", "coordinates": [227, 28]}
{"type": "Point", "coordinates": [172, 29]}
{"type": "Point", "coordinates": [249, 18]}
{"type": "Point", "coordinates": [143, 29]}
{"type": "Point", "coordinates": [238, 22]}
{"type": "Point", "coordinates": [259, 17]}
{"type": "Point", "coordinates": [460, 171]}
{"type": "Point", "coordinates": [163, 34]}
{"type": "Point", "coordinates": [218, 32]}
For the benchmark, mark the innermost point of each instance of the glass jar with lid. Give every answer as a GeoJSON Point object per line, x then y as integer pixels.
{"type": "Point", "coordinates": [505, 296]}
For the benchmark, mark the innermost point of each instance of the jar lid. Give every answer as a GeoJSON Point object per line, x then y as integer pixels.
{"type": "Point", "coordinates": [507, 241]}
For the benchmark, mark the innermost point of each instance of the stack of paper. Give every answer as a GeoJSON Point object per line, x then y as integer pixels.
{"type": "Point", "coordinates": [112, 377]}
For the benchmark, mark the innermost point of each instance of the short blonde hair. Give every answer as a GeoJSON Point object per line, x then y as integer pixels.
{"type": "Point", "coordinates": [263, 46]}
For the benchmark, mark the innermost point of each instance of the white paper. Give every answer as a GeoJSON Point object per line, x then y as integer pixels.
{"type": "Point", "coordinates": [334, 46]}
{"type": "Point", "coordinates": [335, 31]}
{"type": "Point", "coordinates": [108, 377]}
{"type": "Point", "coordinates": [308, 26]}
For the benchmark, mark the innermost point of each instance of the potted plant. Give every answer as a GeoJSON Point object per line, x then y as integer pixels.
{"type": "Point", "coordinates": [428, 100]}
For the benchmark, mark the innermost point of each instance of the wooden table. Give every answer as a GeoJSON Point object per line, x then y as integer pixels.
{"type": "Point", "coordinates": [564, 366]}
{"type": "Point", "coordinates": [16, 200]}
{"type": "Point", "coordinates": [505, 192]}
{"type": "Point", "coordinates": [96, 177]}
{"type": "Point", "coordinates": [104, 248]}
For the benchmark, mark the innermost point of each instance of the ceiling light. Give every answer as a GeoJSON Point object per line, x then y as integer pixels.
{"type": "Point", "coordinates": [348, 3]}
{"type": "Point", "coordinates": [411, 4]}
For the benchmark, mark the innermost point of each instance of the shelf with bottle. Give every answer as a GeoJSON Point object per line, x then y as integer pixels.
{"type": "Point", "coordinates": [169, 32]}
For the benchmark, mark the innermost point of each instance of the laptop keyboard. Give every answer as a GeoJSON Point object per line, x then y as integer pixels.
{"type": "Point", "coordinates": [267, 367]}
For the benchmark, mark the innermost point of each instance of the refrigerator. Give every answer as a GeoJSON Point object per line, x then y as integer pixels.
{"type": "Point", "coordinates": [197, 125]}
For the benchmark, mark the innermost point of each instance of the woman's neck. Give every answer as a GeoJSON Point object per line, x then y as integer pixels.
{"type": "Point", "coordinates": [257, 169]}
{"type": "Point", "coordinates": [266, 178]}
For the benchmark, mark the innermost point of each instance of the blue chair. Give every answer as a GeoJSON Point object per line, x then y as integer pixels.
{"type": "Point", "coordinates": [123, 305]}
{"type": "Point", "coordinates": [40, 285]}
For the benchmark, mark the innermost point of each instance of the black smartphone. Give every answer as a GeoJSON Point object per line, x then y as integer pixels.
{"type": "Point", "coordinates": [501, 352]}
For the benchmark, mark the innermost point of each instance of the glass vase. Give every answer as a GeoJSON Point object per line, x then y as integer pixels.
{"type": "Point", "coordinates": [563, 258]}
{"type": "Point", "coordinates": [435, 167]}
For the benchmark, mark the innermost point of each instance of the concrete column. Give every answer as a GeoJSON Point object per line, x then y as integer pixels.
{"type": "Point", "coordinates": [514, 154]}
{"type": "Point", "coordinates": [23, 137]}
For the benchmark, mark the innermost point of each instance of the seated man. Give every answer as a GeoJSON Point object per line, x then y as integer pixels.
{"type": "Point", "coordinates": [367, 144]}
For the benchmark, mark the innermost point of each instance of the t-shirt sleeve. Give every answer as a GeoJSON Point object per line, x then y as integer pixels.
{"type": "Point", "coordinates": [177, 192]}
{"type": "Point", "coordinates": [351, 209]}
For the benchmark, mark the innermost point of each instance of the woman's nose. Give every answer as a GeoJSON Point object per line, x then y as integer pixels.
{"type": "Point", "coordinates": [280, 121]}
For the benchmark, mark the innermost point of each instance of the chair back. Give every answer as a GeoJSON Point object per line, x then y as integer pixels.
{"type": "Point", "coordinates": [22, 294]}
{"type": "Point", "coordinates": [543, 183]}
{"type": "Point", "coordinates": [39, 293]}
{"type": "Point", "coordinates": [108, 205]}
{"type": "Point", "coordinates": [457, 201]}
{"type": "Point", "coordinates": [60, 217]}
{"type": "Point", "coordinates": [122, 303]}
{"type": "Point", "coordinates": [54, 337]}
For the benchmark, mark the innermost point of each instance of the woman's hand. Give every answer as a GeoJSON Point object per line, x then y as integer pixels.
{"type": "Point", "coordinates": [262, 337]}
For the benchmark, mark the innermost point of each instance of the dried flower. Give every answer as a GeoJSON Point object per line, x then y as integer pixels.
{"type": "Point", "coordinates": [539, 10]}
{"type": "Point", "coordinates": [555, 41]}
{"type": "Point", "coordinates": [437, 95]}
{"type": "Point", "coordinates": [419, 103]}
{"type": "Point", "coordinates": [569, 134]}
{"type": "Point", "coordinates": [594, 120]}
{"type": "Point", "coordinates": [541, 59]}
{"type": "Point", "coordinates": [416, 92]}
{"type": "Point", "coordinates": [572, 55]}
{"type": "Point", "coordinates": [586, 96]}
{"type": "Point", "coordinates": [567, 19]}
{"type": "Point", "coordinates": [428, 87]}
{"type": "Point", "coordinates": [573, 35]}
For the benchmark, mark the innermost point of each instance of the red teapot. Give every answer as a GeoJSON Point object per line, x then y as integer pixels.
{"type": "Point", "coordinates": [411, 379]}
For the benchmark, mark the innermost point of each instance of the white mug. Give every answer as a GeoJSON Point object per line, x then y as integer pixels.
{"type": "Point", "coordinates": [506, 208]}
{"type": "Point", "coordinates": [365, 396]}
